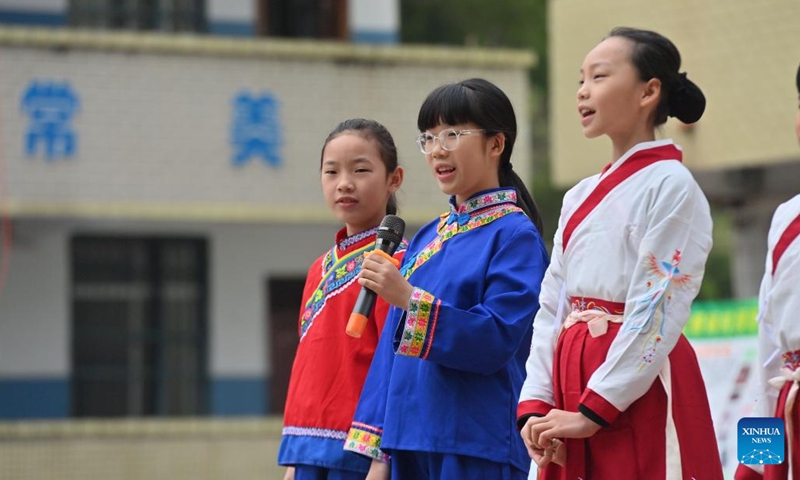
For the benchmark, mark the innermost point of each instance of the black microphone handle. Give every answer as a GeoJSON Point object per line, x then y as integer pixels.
{"type": "Point", "coordinates": [365, 302]}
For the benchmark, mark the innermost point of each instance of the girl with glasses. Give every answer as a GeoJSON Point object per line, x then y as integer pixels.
{"type": "Point", "coordinates": [359, 175]}
{"type": "Point", "coordinates": [439, 400]}
{"type": "Point", "coordinates": [613, 388]}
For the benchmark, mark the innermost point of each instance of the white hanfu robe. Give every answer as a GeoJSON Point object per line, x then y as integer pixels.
{"type": "Point", "coordinates": [628, 259]}
{"type": "Point", "coordinates": [779, 340]}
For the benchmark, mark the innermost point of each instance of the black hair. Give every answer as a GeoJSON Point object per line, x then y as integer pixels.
{"type": "Point", "coordinates": [481, 102]}
{"type": "Point", "coordinates": [655, 56]}
{"type": "Point", "coordinates": [798, 80]}
{"type": "Point", "coordinates": [371, 130]}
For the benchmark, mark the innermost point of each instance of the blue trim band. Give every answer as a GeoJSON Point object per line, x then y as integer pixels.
{"type": "Point", "coordinates": [231, 28]}
{"type": "Point", "coordinates": [238, 396]}
{"type": "Point", "coordinates": [375, 36]}
{"type": "Point", "coordinates": [32, 17]}
{"type": "Point", "coordinates": [34, 398]}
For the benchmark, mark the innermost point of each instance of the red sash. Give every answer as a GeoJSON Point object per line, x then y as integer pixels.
{"type": "Point", "coordinates": [637, 161]}
{"type": "Point", "coordinates": [788, 236]}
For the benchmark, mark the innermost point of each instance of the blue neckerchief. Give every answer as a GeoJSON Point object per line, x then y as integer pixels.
{"type": "Point", "coordinates": [462, 218]}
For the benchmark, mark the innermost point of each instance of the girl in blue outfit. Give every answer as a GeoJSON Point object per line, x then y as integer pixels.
{"type": "Point", "coordinates": [440, 398]}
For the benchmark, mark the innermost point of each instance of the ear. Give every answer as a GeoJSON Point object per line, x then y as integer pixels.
{"type": "Point", "coordinates": [497, 145]}
{"type": "Point", "coordinates": [396, 179]}
{"type": "Point", "coordinates": [651, 94]}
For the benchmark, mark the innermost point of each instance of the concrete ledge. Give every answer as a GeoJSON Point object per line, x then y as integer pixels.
{"type": "Point", "coordinates": [64, 38]}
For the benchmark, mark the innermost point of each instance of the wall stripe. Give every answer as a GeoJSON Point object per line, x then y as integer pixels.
{"type": "Point", "coordinates": [34, 398]}
{"type": "Point", "coordinates": [239, 396]}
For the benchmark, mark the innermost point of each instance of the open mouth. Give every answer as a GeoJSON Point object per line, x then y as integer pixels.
{"type": "Point", "coordinates": [445, 170]}
{"type": "Point", "coordinates": [585, 112]}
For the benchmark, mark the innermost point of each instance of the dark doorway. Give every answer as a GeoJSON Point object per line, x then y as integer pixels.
{"type": "Point", "coordinates": [285, 295]}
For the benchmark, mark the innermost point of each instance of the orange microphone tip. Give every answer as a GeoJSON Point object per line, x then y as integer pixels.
{"type": "Point", "coordinates": [356, 324]}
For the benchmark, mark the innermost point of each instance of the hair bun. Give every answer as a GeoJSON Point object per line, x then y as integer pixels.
{"type": "Point", "coordinates": [686, 101]}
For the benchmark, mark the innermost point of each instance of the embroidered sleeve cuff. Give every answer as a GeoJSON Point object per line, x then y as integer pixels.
{"type": "Point", "coordinates": [531, 408]}
{"type": "Point", "coordinates": [415, 331]}
{"type": "Point", "coordinates": [365, 440]}
{"type": "Point", "coordinates": [597, 408]}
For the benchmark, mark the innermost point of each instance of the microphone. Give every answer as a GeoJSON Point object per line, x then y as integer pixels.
{"type": "Point", "coordinates": [389, 237]}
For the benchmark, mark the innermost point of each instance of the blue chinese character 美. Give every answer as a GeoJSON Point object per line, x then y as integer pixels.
{"type": "Point", "coordinates": [50, 107]}
{"type": "Point", "coordinates": [255, 129]}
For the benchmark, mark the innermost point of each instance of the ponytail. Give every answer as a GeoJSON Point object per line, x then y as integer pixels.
{"type": "Point", "coordinates": [509, 178]}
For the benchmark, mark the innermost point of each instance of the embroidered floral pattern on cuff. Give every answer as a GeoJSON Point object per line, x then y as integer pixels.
{"type": "Point", "coordinates": [365, 440]}
{"type": "Point", "coordinates": [418, 320]}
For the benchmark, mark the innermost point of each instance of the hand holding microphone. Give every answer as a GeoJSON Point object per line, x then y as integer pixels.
{"type": "Point", "coordinates": [389, 237]}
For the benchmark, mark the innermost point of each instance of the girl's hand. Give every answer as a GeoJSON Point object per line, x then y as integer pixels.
{"type": "Point", "coordinates": [541, 434]}
{"type": "Point", "coordinates": [289, 475]}
{"type": "Point", "coordinates": [382, 277]}
{"type": "Point", "coordinates": [378, 471]}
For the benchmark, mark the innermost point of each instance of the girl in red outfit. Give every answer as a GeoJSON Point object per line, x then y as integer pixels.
{"type": "Point", "coordinates": [360, 175]}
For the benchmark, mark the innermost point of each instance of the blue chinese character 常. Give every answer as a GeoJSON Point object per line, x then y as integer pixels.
{"type": "Point", "coordinates": [50, 107]}
{"type": "Point", "coordinates": [255, 129]}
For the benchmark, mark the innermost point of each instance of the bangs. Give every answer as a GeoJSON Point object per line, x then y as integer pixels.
{"type": "Point", "coordinates": [451, 104]}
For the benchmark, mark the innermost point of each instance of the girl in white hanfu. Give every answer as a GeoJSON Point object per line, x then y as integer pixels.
{"type": "Point", "coordinates": [613, 388]}
{"type": "Point", "coordinates": [779, 336]}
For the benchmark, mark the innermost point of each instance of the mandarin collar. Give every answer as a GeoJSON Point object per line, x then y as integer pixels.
{"type": "Point", "coordinates": [345, 242]}
{"type": "Point", "coordinates": [483, 199]}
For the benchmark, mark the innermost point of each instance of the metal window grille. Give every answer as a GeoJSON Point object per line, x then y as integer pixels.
{"type": "Point", "coordinates": [139, 327]}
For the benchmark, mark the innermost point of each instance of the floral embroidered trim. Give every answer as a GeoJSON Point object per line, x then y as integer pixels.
{"type": "Point", "coordinates": [353, 239]}
{"type": "Point", "coordinates": [581, 304]}
{"type": "Point", "coordinates": [791, 360]}
{"type": "Point", "coordinates": [337, 274]}
{"type": "Point", "coordinates": [334, 279]}
{"type": "Point", "coordinates": [648, 316]}
{"type": "Point", "coordinates": [315, 432]}
{"type": "Point", "coordinates": [487, 199]}
{"type": "Point", "coordinates": [416, 330]}
{"type": "Point", "coordinates": [448, 231]}
{"type": "Point", "coordinates": [365, 440]}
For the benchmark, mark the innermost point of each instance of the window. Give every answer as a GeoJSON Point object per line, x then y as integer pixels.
{"type": "Point", "coordinates": [139, 326]}
{"type": "Point", "coordinates": [303, 18]}
{"type": "Point", "coordinates": [164, 15]}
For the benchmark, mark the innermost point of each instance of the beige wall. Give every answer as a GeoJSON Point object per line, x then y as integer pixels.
{"type": "Point", "coordinates": [191, 449]}
{"type": "Point", "coordinates": [155, 120]}
{"type": "Point", "coordinates": [743, 54]}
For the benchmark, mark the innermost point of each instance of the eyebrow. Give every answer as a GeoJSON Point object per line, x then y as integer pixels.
{"type": "Point", "coordinates": [359, 160]}
{"type": "Point", "coordinates": [597, 64]}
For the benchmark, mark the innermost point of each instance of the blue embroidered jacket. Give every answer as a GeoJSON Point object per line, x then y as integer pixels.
{"type": "Point", "coordinates": [448, 370]}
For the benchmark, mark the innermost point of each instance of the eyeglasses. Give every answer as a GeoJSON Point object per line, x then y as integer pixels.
{"type": "Point", "coordinates": [448, 139]}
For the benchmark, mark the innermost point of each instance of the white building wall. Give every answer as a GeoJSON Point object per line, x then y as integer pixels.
{"type": "Point", "coordinates": [35, 303]}
{"type": "Point", "coordinates": [376, 19]}
{"type": "Point", "coordinates": [154, 157]}
{"type": "Point", "coordinates": [231, 10]}
{"type": "Point", "coordinates": [43, 6]}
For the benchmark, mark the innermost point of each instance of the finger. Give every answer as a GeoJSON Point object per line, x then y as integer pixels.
{"type": "Point", "coordinates": [525, 433]}
{"type": "Point", "coordinates": [369, 266]}
{"type": "Point", "coordinates": [379, 259]}
{"type": "Point", "coordinates": [546, 438]}
{"type": "Point", "coordinates": [544, 459]}
{"type": "Point", "coordinates": [535, 454]}
{"type": "Point", "coordinates": [536, 433]}
{"type": "Point", "coordinates": [560, 454]}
